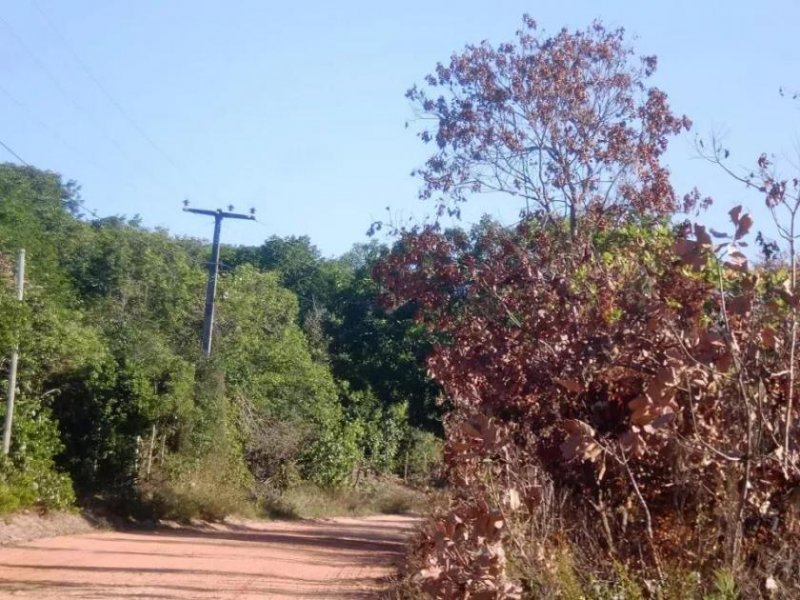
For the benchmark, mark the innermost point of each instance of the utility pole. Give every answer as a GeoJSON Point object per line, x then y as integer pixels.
{"type": "Point", "coordinates": [12, 371]}
{"type": "Point", "coordinates": [213, 269]}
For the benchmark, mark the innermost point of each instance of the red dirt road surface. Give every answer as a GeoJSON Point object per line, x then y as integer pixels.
{"type": "Point", "coordinates": [340, 558]}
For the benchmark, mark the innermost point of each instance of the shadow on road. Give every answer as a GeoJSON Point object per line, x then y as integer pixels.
{"type": "Point", "coordinates": [330, 559]}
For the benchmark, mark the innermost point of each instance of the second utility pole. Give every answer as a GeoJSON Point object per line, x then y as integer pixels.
{"type": "Point", "coordinates": [213, 270]}
{"type": "Point", "coordinates": [12, 370]}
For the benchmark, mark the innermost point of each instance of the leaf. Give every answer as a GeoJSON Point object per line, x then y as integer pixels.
{"type": "Point", "coordinates": [458, 447]}
{"type": "Point", "coordinates": [739, 305]}
{"type": "Point", "coordinates": [768, 338]}
{"type": "Point", "coordinates": [570, 384]}
{"type": "Point", "coordinates": [789, 298]}
{"type": "Point", "coordinates": [734, 213]}
{"type": "Point", "coordinates": [470, 431]}
{"type": "Point", "coordinates": [659, 389]}
{"type": "Point", "coordinates": [736, 260]}
{"type": "Point", "coordinates": [569, 447]}
{"type": "Point", "coordinates": [702, 237]}
{"type": "Point", "coordinates": [580, 442]}
{"type": "Point", "coordinates": [724, 363]}
{"type": "Point", "coordinates": [718, 234]}
{"type": "Point", "coordinates": [663, 420]}
{"type": "Point", "coordinates": [690, 253]}
{"type": "Point", "coordinates": [683, 247]}
{"type": "Point", "coordinates": [575, 426]}
{"type": "Point", "coordinates": [592, 451]}
{"type": "Point", "coordinates": [745, 223]}
{"type": "Point", "coordinates": [632, 443]}
{"type": "Point", "coordinates": [644, 415]}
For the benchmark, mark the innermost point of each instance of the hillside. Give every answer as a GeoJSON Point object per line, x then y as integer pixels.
{"type": "Point", "coordinates": [309, 380]}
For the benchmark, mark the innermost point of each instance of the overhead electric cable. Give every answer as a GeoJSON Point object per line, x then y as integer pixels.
{"type": "Point", "coordinates": [22, 106]}
{"type": "Point", "coordinates": [56, 135]}
{"type": "Point", "coordinates": [14, 154]}
{"type": "Point", "coordinates": [103, 89]}
{"type": "Point", "coordinates": [70, 98]}
{"type": "Point", "coordinates": [42, 67]}
{"type": "Point", "coordinates": [24, 162]}
{"type": "Point", "coordinates": [87, 70]}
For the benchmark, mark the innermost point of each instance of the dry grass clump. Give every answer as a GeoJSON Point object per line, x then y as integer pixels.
{"type": "Point", "coordinates": [377, 496]}
{"type": "Point", "coordinates": [210, 488]}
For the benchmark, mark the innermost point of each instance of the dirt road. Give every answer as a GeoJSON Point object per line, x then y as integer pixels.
{"type": "Point", "coordinates": [341, 558]}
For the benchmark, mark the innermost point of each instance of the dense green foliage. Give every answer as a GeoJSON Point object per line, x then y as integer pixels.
{"type": "Point", "coordinates": [115, 401]}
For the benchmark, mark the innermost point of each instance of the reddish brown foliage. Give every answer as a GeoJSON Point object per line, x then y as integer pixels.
{"type": "Point", "coordinates": [646, 374]}
{"type": "Point", "coordinates": [567, 123]}
{"type": "Point", "coordinates": [638, 372]}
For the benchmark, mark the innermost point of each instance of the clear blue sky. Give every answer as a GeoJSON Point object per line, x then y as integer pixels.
{"type": "Point", "coordinates": [299, 109]}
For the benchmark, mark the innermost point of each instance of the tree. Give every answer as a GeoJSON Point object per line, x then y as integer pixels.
{"type": "Point", "coordinates": [566, 123]}
{"type": "Point", "coordinates": [641, 374]}
{"type": "Point", "coordinates": [301, 268]}
{"type": "Point", "coordinates": [272, 378]}
{"type": "Point", "coordinates": [781, 195]}
{"type": "Point", "coordinates": [379, 350]}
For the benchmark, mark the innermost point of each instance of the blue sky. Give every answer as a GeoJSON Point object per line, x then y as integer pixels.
{"type": "Point", "coordinates": [299, 111]}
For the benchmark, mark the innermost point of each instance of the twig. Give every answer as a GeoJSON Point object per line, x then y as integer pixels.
{"type": "Point", "coordinates": [648, 517]}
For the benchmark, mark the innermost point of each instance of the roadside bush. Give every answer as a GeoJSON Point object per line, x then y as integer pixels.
{"type": "Point", "coordinates": [210, 487]}
{"type": "Point", "coordinates": [379, 495]}
{"type": "Point", "coordinates": [623, 390]}
{"type": "Point", "coordinates": [646, 384]}
{"type": "Point", "coordinates": [419, 457]}
{"type": "Point", "coordinates": [333, 454]}
{"type": "Point", "coordinates": [29, 476]}
{"type": "Point", "coordinates": [273, 450]}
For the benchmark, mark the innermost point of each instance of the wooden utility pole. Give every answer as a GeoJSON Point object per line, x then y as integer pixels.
{"type": "Point", "coordinates": [12, 370]}
{"type": "Point", "coordinates": [213, 269]}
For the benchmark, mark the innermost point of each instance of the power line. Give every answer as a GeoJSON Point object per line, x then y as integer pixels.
{"type": "Point", "coordinates": [262, 224]}
{"type": "Point", "coordinates": [52, 132]}
{"type": "Point", "coordinates": [103, 89]}
{"type": "Point", "coordinates": [56, 135]}
{"type": "Point", "coordinates": [22, 106]}
{"type": "Point", "coordinates": [14, 154]}
{"type": "Point", "coordinates": [20, 159]}
{"type": "Point", "coordinates": [50, 75]}
{"type": "Point", "coordinates": [56, 82]}
{"type": "Point", "coordinates": [114, 102]}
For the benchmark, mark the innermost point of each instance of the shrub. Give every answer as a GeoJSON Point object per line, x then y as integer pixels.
{"type": "Point", "coordinates": [374, 496]}
{"type": "Point", "coordinates": [28, 476]}
{"type": "Point", "coordinates": [211, 487]}
{"type": "Point", "coordinates": [652, 423]}
{"type": "Point", "coordinates": [419, 456]}
{"type": "Point", "coordinates": [333, 454]}
{"type": "Point", "coordinates": [643, 373]}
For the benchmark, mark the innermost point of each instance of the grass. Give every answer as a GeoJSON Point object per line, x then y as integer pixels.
{"type": "Point", "coordinates": [210, 489]}
{"type": "Point", "coordinates": [307, 501]}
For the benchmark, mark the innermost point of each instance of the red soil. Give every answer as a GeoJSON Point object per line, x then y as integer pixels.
{"type": "Point", "coordinates": [340, 558]}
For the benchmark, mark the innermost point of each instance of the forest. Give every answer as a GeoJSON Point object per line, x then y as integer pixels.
{"type": "Point", "coordinates": [310, 380]}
